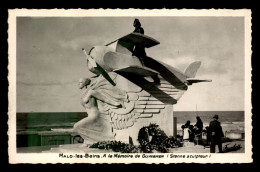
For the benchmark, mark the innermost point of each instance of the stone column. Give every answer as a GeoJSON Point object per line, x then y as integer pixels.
{"type": "Point", "coordinates": [174, 126]}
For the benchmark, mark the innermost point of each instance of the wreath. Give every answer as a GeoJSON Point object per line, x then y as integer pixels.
{"type": "Point", "coordinates": [150, 138]}
{"type": "Point", "coordinates": [116, 146]}
{"type": "Point", "coordinates": [153, 138]}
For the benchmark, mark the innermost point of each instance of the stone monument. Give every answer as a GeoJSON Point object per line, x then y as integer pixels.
{"type": "Point", "coordinates": [129, 90]}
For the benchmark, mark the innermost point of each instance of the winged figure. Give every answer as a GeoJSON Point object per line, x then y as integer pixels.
{"type": "Point", "coordinates": [126, 89]}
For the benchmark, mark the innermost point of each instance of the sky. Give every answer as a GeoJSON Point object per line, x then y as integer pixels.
{"type": "Point", "coordinates": [50, 61]}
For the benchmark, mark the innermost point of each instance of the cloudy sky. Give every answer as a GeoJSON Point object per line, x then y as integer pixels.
{"type": "Point", "coordinates": [50, 60]}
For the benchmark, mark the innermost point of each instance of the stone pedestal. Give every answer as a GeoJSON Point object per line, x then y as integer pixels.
{"type": "Point", "coordinates": [164, 119]}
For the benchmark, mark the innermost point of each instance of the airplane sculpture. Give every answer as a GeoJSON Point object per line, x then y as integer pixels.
{"type": "Point", "coordinates": [117, 56]}
{"type": "Point", "coordinates": [128, 85]}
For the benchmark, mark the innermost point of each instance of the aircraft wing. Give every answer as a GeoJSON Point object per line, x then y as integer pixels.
{"type": "Point", "coordinates": [126, 43]}
{"type": "Point", "coordinates": [137, 38]}
{"type": "Point", "coordinates": [168, 72]}
{"type": "Point", "coordinates": [137, 70]}
{"type": "Point", "coordinates": [191, 81]}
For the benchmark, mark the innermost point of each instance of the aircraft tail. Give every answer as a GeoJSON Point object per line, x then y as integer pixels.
{"type": "Point", "coordinates": [192, 69]}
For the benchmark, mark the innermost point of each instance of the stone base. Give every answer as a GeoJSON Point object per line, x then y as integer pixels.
{"type": "Point", "coordinates": [165, 120]}
{"type": "Point", "coordinates": [99, 130]}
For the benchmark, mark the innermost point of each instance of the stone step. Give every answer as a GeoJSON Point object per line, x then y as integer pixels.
{"type": "Point", "coordinates": [191, 149]}
{"type": "Point", "coordinates": [78, 148]}
{"type": "Point", "coordinates": [188, 144]}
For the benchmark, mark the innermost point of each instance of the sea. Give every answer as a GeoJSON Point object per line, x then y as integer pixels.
{"type": "Point", "coordinates": [46, 121]}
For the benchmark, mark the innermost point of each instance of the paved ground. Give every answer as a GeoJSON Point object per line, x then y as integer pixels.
{"type": "Point", "coordinates": [202, 149]}
{"type": "Point", "coordinates": [35, 149]}
{"type": "Point", "coordinates": [76, 148]}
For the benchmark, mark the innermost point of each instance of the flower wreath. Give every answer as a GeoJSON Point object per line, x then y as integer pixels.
{"type": "Point", "coordinates": [153, 138]}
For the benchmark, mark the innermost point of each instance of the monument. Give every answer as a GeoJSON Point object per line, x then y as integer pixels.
{"type": "Point", "coordinates": [129, 90]}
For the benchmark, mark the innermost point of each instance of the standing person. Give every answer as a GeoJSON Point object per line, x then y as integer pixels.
{"type": "Point", "coordinates": [208, 135]}
{"type": "Point", "coordinates": [186, 134]}
{"type": "Point", "coordinates": [216, 134]}
{"type": "Point", "coordinates": [187, 125]}
{"type": "Point", "coordinates": [198, 130]}
{"type": "Point", "coordinates": [197, 136]}
{"type": "Point", "coordinates": [199, 124]}
{"type": "Point", "coordinates": [191, 131]}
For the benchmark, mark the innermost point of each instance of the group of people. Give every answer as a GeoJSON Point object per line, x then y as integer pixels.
{"type": "Point", "coordinates": [193, 133]}
{"type": "Point", "coordinates": [213, 131]}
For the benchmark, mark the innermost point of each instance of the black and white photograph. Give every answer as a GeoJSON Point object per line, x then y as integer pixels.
{"type": "Point", "coordinates": [127, 86]}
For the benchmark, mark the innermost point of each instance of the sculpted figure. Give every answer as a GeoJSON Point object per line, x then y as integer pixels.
{"type": "Point", "coordinates": [96, 126]}
{"type": "Point", "coordinates": [138, 28]}
{"type": "Point", "coordinates": [88, 103]}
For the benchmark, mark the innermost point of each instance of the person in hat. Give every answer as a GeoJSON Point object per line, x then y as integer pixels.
{"type": "Point", "coordinates": [216, 134]}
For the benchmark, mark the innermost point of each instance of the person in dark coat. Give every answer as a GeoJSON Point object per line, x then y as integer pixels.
{"type": "Point", "coordinates": [191, 129]}
{"type": "Point", "coordinates": [199, 124]}
{"type": "Point", "coordinates": [187, 124]}
{"type": "Point", "coordinates": [198, 131]}
{"type": "Point", "coordinates": [216, 134]}
{"type": "Point", "coordinates": [208, 135]}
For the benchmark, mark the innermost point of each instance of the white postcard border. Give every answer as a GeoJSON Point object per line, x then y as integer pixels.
{"type": "Point", "coordinates": [14, 157]}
